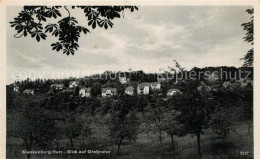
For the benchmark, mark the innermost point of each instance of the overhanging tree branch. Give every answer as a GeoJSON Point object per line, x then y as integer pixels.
{"type": "Point", "coordinates": [67, 30]}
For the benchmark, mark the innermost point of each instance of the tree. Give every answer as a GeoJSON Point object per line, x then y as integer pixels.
{"type": "Point", "coordinates": [249, 28]}
{"type": "Point", "coordinates": [32, 20]}
{"type": "Point", "coordinates": [195, 110]}
{"type": "Point", "coordinates": [71, 127]}
{"type": "Point", "coordinates": [221, 122]}
{"type": "Point", "coordinates": [123, 124]}
{"type": "Point", "coordinates": [154, 115]}
{"type": "Point", "coordinates": [30, 123]}
{"type": "Point", "coordinates": [172, 125]}
{"type": "Point", "coordinates": [245, 109]}
{"type": "Point", "coordinates": [95, 89]}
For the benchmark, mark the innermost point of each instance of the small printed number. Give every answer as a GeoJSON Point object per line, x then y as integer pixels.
{"type": "Point", "coordinates": [244, 153]}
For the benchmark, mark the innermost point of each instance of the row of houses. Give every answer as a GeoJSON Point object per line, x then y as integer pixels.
{"type": "Point", "coordinates": [145, 88]}
{"type": "Point", "coordinates": [238, 83]}
{"type": "Point", "coordinates": [122, 80]}
{"type": "Point", "coordinates": [142, 88]}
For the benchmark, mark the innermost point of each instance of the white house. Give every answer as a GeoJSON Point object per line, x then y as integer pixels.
{"type": "Point", "coordinates": [172, 92]}
{"type": "Point", "coordinates": [57, 86]}
{"type": "Point", "coordinates": [249, 81]}
{"type": "Point", "coordinates": [129, 90]}
{"type": "Point", "coordinates": [143, 88]}
{"type": "Point", "coordinates": [29, 92]}
{"type": "Point", "coordinates": [155, 86]}
{"type": "Point", "coordinates": [244, 82]}
{"type": "Point", "coordinates": [84, 92]}
{"type": "Point", "coordinates": [107, 92]}
{"type": "Point", "coordinates": [213, 76]}
{"type": "Point", "coordinates": [16, 86]}
{"type": "Point", "coordinates": [226, 84]}
{"type": "Point", "coordinates": [204, 88]}
{"type": "Point", "coordinates": [74, 84]}
{"type": "Point", "coordinates": [161, 79]}
{"type": "Point", "coordinates": [123, 80]}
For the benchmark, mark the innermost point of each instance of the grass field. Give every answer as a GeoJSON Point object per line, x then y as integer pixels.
{"type": "Point", "coordinates": [147, 146]}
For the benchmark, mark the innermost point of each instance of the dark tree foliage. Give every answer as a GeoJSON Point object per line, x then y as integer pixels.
{"type": "Point", "coordinates": [195, 110]}
{"type": "Point", "coordinates": [27, 122]}
{"type": "Point", "coordinates": [171, 124]}
{"type": "Point", "coordinates": [221, 122]}
{"type": "Point", "coordinates": [154, 116]}
{"type": "Point", "coordinates": [249, 28]}
{"type": "Point", "coordinates": [62, 119]}
{"type": "Point", "coordinates": [124, 124]}
{"type": "Point", "coordinates": [33, 20]}
{"type": "Point", "coordinates": [95, 89]}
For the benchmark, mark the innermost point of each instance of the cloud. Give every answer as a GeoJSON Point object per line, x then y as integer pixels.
{"type": "Point", "coordinates": [148, 39]}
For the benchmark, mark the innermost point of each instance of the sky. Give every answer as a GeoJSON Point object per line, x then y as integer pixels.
{"type": "Point", "coordinates": [148, 39]}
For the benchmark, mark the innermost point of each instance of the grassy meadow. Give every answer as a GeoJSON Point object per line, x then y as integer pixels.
{"type": "Point", "coordinates": [147, 146]}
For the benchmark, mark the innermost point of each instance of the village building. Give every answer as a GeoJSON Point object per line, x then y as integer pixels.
{"type": "Point", "coordinates": [204, 88]}
{"type": "Point", "coordinates": [227, 84]}
{"type": "Point", "coordinates": [244, 82]}
{"type": "Point", "coordinates": [58, 86]}
{"type": "Point", "coordinates": [143, 88]}
{"type": "Point", "coordinates": [129, 90]}
{"type": "Point", "coordinates": [107, 92]}
{"type": "Point", "coordinates": [250, 82]}
{"type": "Point", "coordinates": [155, 86]}
{"type": "Point", "coordinates": [214, 76]}
{"type": "Point", "coordinates": [29, 91]}
{"type": "Point", "coordinates": [73, 84]}
{"type": "Point", "coordinates": [67, 90]}
{"type": "Point", "coordinates": [161, 79]}
{"type": "Point", "coordinates": [122, 80]}
{"type": "Point", "coordinates": [84, 92]}
{"type": "Point", "coordinates": [16, 87]}
{"type": "Point", "coordinates": [173, 91]}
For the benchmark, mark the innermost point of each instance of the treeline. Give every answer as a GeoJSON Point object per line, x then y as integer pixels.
{"type": "Point", "coordinates": [111, 79]}
{"type": "Point", "coordinates": [44, 120]}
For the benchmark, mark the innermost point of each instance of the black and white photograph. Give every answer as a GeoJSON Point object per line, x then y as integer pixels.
{"type": "Point", "coordinates": [129, 81]}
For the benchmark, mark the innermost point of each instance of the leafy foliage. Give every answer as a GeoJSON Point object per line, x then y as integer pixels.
{"type": "Point", "coordinates": [249, 28]}
{"type": "Point", "coordinates": [32, 20]}
{"type": "Point", "coordinates": [221, 122]}
{"type": "Point", "coordinates": [154, 116]}
{"type": "Point", "coordinates": [171, 124]}
{"type": "Point", "coordinates": [124, 124]}
{"type": "Point", "coordinates": [62, 117]}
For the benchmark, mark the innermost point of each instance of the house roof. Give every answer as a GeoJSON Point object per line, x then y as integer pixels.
{"type": "Point", "coordinates": [105, 89]}
{"type": "Point", "coordinates": [28, 90]}
{"type": "Point", "coordinates": [87, 90]}
{"type": "Point", "coordinates": [77, 82]}
{"type": "Point", "coordinates": [205, 87]}
{"type": "Point", "coordinates": [249, 80]}
{"type": "Point", "coordinates": [174, 90]}
{"type": "Point", "coordinates": [130, 88]}
{"type": "Point", "coordinates": [122, 78]}
{"type": "Point", "coordinates": [161, 79]}
{"type": "Point", "coordinates": [227, 83]}
{"type": "Point", "coordinates": [244, 81]}
{"type": "Point", "coordinates": [142, 85]}
{"type": "Point", "coordinates": [17, 83]}
{"type": "Point", "coordinates": [57, 85]}
{"type": "Point", "coordinates": [154, 84]}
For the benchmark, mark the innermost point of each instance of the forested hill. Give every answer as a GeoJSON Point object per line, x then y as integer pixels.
{"type": "Point", "coordinates": [61, 119]}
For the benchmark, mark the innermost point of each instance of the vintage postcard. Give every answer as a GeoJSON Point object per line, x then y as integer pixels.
{"type": "Point", "coordinates": [129, 80]}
